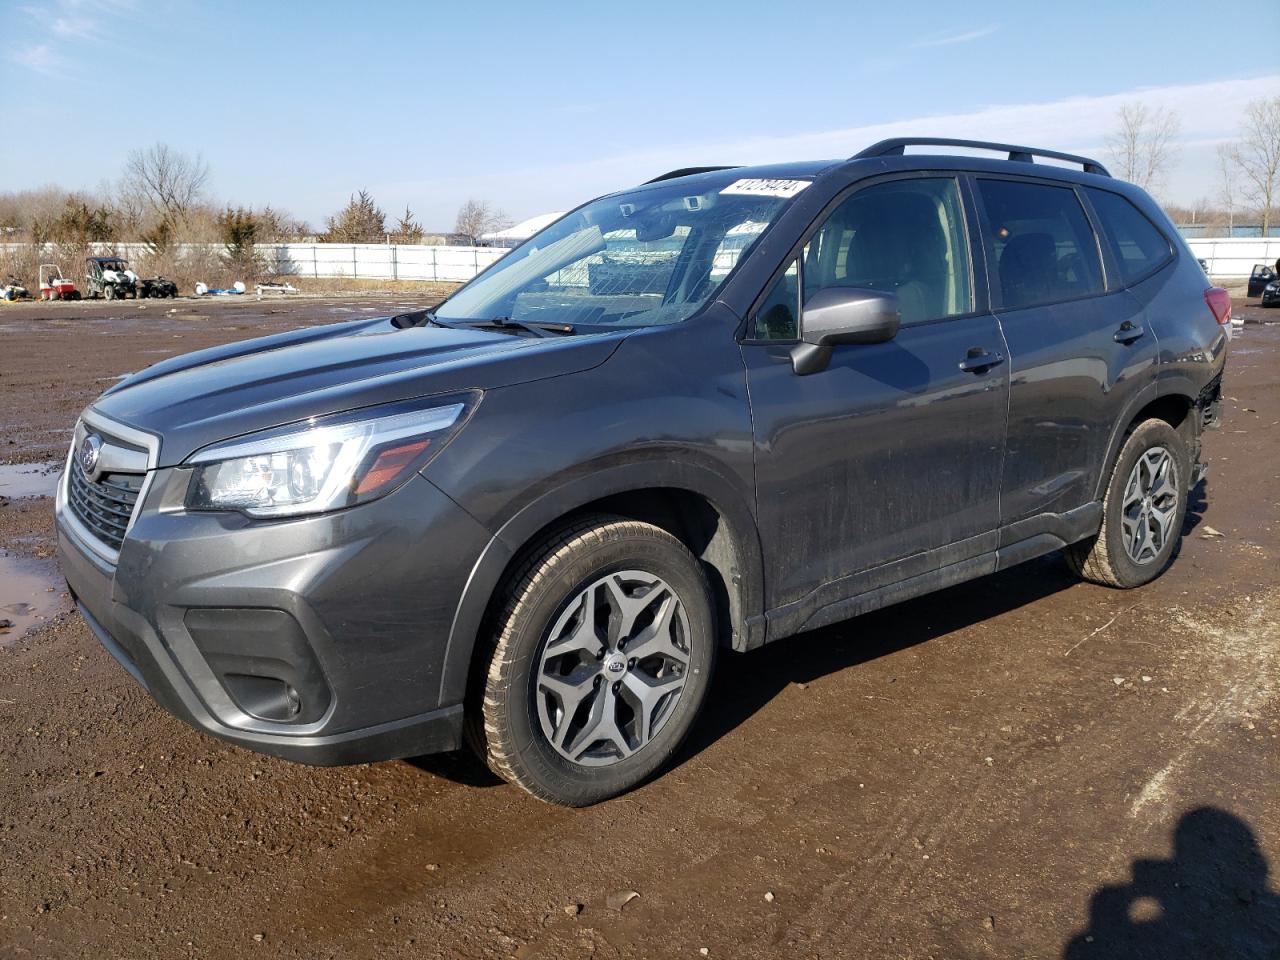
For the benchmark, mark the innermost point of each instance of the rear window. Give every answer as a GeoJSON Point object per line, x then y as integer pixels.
{"type": "Point", "coordinates": [1042, 245]}
{"type": "Point", "coordinates": [1139, 246]}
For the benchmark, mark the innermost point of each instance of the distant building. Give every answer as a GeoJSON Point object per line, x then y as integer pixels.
{"type": "Point", "coordinates": [514, 236]}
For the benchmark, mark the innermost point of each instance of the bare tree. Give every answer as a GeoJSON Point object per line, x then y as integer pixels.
{"type": "Point", "coordinates": [476, 218]}
{"type": "Point", "coordinates": [1228, 194]}
{"type": "Point", "coordinates": [170, 182]}
{"type": "Point", "coordinates": [1141, 145]}
{"type": "Point", "coordinates": [1257, 155]}
{"type": "Point", "coordinates": [275, 225]}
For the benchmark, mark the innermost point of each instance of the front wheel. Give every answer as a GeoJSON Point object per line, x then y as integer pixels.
{"type": "Point", "coordinates": [1142, 512]}
{"type": "Point", "coordinates": [599, 659]}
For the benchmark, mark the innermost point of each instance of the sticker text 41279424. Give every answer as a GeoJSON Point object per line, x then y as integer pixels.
{"type": "Point", "coordinates": [765, 188]}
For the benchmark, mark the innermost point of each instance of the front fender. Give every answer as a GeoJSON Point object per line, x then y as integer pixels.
{"type": "Point", "coordinates": [659, 469]}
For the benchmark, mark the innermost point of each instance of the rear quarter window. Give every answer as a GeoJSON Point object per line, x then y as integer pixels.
{"type": "Point", "coordinates": [1137, 243]}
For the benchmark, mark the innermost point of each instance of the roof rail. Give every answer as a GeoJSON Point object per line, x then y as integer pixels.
{"type": "Point", "coordinates": [897, 146]}
{"type": "Point", "coordinates": [685, 172]}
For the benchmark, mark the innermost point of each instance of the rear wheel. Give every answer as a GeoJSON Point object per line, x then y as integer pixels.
{"type": "Point", "coordinates": [599, 660]}
{"type": "Point", "coordinates": [1142, 513]}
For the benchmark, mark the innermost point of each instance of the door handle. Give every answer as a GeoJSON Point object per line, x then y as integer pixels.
{"type": "Point", "coordinates": [1128, 332]}
{"type": "Point", "coordinates": [980, 360]}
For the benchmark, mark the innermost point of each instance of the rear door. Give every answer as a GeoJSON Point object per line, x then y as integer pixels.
{"type": "Point", "coordinates": [1079, 349]}
{"type": "Point", "coordinates": [866, 468]}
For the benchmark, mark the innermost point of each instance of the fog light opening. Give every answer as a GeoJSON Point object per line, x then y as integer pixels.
{"type": "Point", "coordinates": [266, 698]}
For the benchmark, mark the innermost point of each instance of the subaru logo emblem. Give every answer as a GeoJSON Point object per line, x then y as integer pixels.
{"type": "Point", "coordinates": [90, 451]}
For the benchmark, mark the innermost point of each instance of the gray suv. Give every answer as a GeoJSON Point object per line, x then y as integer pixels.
{"type": "Point", "coordinates": [703, 414]}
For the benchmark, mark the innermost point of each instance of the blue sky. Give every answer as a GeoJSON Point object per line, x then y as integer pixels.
{"type": "Point", "coordinates": [534, 107]}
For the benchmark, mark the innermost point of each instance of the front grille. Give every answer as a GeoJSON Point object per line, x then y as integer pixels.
{"type": "Point", "coordinates": [105, 505]}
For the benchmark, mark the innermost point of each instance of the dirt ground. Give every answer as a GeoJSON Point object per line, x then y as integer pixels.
{"type": "Point", "coordinates": [1024, 766]}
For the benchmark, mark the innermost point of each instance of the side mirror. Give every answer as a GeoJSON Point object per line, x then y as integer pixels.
{"type": "Point", "coordinates": [840, 315]}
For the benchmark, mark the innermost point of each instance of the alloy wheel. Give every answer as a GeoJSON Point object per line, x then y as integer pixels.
{"type": "Point", "coordinates": [1150, 505]}
{"type": "Point", "coordinates": [612, 668]}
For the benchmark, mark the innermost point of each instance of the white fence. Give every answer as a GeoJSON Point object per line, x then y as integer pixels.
{"type": "Point", "coordinates": [374, 261]}
{"type": "Point", "coordinates": [1233, 258]}
{"type": "Point", "coordinates": [378, 261]}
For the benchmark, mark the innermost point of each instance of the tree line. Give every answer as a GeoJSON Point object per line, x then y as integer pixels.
{"type": "Point", "coordinates": [161, 199]}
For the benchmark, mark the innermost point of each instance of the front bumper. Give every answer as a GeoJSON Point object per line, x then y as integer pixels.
{"type": "Point", "coordinates": [1270, 298]}
{"type": "Point", "coordinates": [319, 639]}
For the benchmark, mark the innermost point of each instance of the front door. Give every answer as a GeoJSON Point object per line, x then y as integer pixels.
{"type": "Point", "coordinates": [868, 469]}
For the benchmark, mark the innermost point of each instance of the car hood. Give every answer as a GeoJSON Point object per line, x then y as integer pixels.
{"type": "Point", "coordinates": [201, 398]}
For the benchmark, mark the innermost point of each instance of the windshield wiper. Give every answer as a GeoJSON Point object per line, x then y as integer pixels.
{"type": "Point", "coordinates": [536, 327]}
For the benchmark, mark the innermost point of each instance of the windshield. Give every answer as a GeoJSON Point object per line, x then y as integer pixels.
{"type": "Point", "coordinates": [648, 257]}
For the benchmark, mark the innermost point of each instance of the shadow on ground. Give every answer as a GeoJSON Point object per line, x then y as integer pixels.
{"type": "Point", "coordinates": [1197, 503]}
{"type": "Point", "coordinates": [746, 682]}
{"type": "Point", "coordinates": [1210, 900]}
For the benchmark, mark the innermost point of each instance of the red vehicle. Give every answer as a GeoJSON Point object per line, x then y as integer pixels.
{"type": "Point", "coordinates": [55, 286]}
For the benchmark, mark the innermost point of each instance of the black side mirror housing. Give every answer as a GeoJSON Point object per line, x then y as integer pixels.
{"type": "Point", "coordinates": [840, 315]}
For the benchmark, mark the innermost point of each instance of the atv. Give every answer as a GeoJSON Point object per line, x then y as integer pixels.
{"type": "Point", "coordinates": [54, 286]}
{"type": "Point", "coordinates": [157, 287]}
{"type": "Point", "coordinates": [110, 277]}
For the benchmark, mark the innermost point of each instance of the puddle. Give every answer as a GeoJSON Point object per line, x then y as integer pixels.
{"type": "Point", "coordinates": [19, 480]}
{"type": "Point", "coordinates": [31, 592]}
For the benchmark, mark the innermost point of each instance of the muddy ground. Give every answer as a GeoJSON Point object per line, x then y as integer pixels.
{"type": "Point", "coordinates": [1024, 766]}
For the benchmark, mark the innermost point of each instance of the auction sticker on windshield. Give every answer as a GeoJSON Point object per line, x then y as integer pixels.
{"type": "Point", "coordinates": [766, 188]}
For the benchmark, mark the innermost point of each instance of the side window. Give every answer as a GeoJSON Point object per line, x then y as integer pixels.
{"type": "Point", "coordinates": [779, 315]}
{"type": "Point", "coordinates": [905, 236]}
{"type": "Point", "coordinates": [1138, 245]}
{"type": "Point", "coordinates": [1042, 244]}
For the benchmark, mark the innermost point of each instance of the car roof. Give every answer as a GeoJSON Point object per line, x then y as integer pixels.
{"type": "Point", "coordinates": [889, 156]}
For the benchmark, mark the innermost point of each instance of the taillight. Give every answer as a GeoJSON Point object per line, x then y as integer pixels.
{"type": "Point", "coordinates": [1219, 302]}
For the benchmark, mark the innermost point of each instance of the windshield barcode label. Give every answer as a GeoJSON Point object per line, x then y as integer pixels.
{"type": "Point", "coordinates": [766, 188]}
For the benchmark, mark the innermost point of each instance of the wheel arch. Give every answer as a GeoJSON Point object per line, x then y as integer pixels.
{"type": "Point", "coordinates": [694, 504]}
{"type": "Point", "coordinates": [1174, 408]}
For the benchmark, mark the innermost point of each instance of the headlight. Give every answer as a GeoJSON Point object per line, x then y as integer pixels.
{"type": "Point", "coordinates": [325, 463]}
{"type": "Point", "coordinates": [1273, 287]}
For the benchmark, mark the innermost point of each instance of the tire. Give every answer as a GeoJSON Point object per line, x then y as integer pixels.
{"type": "Point", "coordinates": [55, 295]}
{"type": "Point", "coordinates": [527, 697]}
{"type": "Point", "coordinates": [1134, 546]}
{"type": "Point", "coordinates": [109, 292]}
